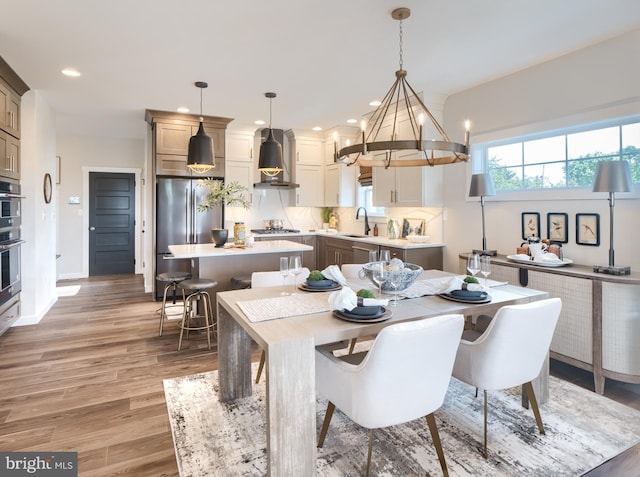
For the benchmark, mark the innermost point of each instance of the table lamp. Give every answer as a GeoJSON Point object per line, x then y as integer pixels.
{"type": "Point", "coordinates": [481, 186]}
{"type": "Point", "coordinates": [612, 177]}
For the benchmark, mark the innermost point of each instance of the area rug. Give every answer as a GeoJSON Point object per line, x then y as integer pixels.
{"type": "Point", "coordinates": [583, 430]}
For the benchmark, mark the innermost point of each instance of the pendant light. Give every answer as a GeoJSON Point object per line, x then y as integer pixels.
{"type": "Point", "coordinates": [200, 158]}
{"type": "Point", "coordinates": [270, 162]}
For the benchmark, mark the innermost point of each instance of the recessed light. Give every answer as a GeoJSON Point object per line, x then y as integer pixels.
{"type": "Point", "coordinates": [182, 109]}
{"type": "Point", "coordinates": [375, 103]}
{"type": "Point", "coordinates": [260, 122]}
{"type": "Point", "coordinates": [352, 121]}
{"type": "Point", "coordinates": [317, 128]}
{"type": "Point", "coordinates": [72, 72]}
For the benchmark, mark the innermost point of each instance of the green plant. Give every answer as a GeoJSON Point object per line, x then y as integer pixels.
{"type": "Point", "coordinates": [363, 293]}
{"type": "Point", "coordinates": [315, 276]}
{"type": "Point", "coordinates": [326, 214]}
{"type": "Point", "coordinates": [231, 193]}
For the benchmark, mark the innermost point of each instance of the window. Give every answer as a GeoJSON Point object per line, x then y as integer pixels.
{"type": "Point", "coordinates": [563, 159]}
{"type": "Point", "coordinates": [365, 199]}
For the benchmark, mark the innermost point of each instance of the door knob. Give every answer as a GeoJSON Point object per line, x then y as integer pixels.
{"type": "Point", "coordinates": [92, 228]}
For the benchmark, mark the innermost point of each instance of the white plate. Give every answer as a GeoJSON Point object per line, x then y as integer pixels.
{"type": "Point", "coordinates": [515, 258]}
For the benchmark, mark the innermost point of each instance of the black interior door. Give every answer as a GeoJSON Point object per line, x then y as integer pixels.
{"type": "Point", "coordinates": [111, 223]}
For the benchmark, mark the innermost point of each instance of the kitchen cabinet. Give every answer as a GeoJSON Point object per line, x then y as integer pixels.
{"type": "Point", "coordinates": [172, 132]}
{"type": "Point", "coordinates": [239, 162]}
{"type": "Point", "coordinates": [9, 110]}
{"type": "Point", "coordinates": [429, 258]}
{"type": "Point", "coordinates": [9, 156]}
{"type": "Point", "coordinates": [309, 258]}
{"type": "Point", "coordinates": [340, 185]}
{"type": "Point", "coordinates": [334, 251]}
{"type": "Point", "coordinates": [305, 149]}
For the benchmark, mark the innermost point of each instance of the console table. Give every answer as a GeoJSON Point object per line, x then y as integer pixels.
{"type": "Point", "coordinates": [599, 327]}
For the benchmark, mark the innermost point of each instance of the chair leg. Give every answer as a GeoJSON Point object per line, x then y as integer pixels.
{"type": "Point", "coordinates": [352, 345]}
{"type": "Point", "coordinates": [206, 305]}
{"type": "Point", "coordinates": [484, 451]}
{"type": "Point", "coordinates": [369, 452]}
{"type": "Point", "coordinates": [163, 312]}
{"type": "Point", "coordinates": [528, 387]}
{"type": "Point", "coordinates": [435, 437]}
{"type": "Point", "coordinates": [185, 318]}
{"type": "Point", "coordinates": [263, 358]}
{"type": "Point", "coordinates": [325, 424]}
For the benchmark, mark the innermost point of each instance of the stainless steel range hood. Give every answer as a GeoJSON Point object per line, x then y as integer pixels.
{"type": "Point", "coordinates": [277, 182]}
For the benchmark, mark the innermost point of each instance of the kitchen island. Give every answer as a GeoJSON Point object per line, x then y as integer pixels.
{"type": "Point", "coordinates": [223, 263]}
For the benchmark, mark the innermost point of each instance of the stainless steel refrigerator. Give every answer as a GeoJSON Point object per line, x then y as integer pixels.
{"type": "Point", "coordinates": [179, 222]}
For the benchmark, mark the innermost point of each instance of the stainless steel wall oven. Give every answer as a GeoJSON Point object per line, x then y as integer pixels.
{"type": "Point", "coordinates": [10, 242]}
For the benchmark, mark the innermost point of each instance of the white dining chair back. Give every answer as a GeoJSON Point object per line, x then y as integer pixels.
{"type": "Point", "coordinates": [351, 270]}
{"type": "Point", "coordinates": [512, 349]}
{"type": "Point", "coordinates": [404, 376]}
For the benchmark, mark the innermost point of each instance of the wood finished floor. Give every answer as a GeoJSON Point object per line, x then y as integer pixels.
{"type": "Point", "coordinates": [88, 378]}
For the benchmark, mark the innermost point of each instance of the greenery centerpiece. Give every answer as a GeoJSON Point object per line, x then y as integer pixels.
{"type": "Point", "coordinates": [218, 193]}
{"type": "Point", "coordinates": [325, 212]}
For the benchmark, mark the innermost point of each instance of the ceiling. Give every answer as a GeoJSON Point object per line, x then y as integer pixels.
{"type": "Point", "coordinates": [326, 60]}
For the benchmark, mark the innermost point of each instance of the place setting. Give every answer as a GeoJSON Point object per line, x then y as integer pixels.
{"type": "Point", "coordinates": [469, 289]}
{"type": "Point", "coordinates": [329, 279]}
{"type": "Point", "coordinates": [360, 307]}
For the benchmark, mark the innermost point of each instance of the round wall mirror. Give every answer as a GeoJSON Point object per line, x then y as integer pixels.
{"type": "Point", "coordinates": [47, 188]}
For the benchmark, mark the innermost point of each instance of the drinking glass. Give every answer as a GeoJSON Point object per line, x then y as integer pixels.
{"type": "Point", "coordinates": [284, 271]}
{"type": "Point", "coordinates": [485, 267]}
{"type": "Point", "coordinates": [473, 264]}
{"type": "Point", "coordinates": [295, 267]}
{"type": "Point", "coordinates": [385, 256]}
{"type": "Point", "coordinates": [373, 256]}
{"type": "Point", "coordinates": [395, 280]}
{"type": "Point", "coordinates": [380, 275]}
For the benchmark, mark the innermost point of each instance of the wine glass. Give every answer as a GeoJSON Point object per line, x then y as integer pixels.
{"type": "Point", "coordinates": [373, 256]}
{"type": "Point", "coordinates": [284, 271]}
{"type": "Point", "coordinates": [485, 267]}
{"type": "Point", "coordinates": [385, 256]}
{"type": "Point", "coordinates": [473, 264]}
{"type": "Point", "coordinates": [380, 275]}
{"type": "Point", "coordinates": [295, 268]}
{"type": "Point", "coordinates": [395, 280]}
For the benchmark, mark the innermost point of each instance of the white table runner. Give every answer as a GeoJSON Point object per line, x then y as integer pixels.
{"type": "Point", "coordinates": [284, 306]}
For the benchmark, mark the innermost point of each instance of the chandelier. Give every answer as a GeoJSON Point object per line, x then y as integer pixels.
{"type": "Point", "coordinates": [401, 104]}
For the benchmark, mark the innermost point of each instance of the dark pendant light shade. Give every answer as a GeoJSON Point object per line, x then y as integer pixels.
{"type": "Point", "coordinates": [200, 157]}
{"type": "Point", "coordinates": [270, 161]}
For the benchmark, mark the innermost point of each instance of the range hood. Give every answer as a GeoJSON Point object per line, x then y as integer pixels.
{"type": "Point", "coordinates": [277, 182]}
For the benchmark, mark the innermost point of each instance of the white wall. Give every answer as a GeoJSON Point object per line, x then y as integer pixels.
{"type": "Point", "coordinates": [93, 152]}
{"type": "Point", "coordinates": [596, 83]}
{"type": "Point", "coordinates": [38, 151]}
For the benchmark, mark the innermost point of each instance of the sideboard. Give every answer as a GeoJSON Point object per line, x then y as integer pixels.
{"type": "Point", "coordinates": [599, 327]}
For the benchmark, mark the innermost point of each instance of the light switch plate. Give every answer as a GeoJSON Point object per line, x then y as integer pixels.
{"type": "Point", "coordinates": [74, 199]}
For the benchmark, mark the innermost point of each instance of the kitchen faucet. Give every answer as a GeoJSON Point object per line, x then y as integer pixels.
{"type": "Point", "coordinates": [366, 219]}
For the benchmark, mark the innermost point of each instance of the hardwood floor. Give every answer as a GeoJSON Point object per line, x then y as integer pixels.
{"type": "Point", "coordinates": [88, 378]}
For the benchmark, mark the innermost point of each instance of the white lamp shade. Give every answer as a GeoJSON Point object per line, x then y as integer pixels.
{"type": "Point", "coordinates": [612, 176]}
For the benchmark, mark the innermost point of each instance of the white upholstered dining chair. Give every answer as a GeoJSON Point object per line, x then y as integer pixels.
{"type": "Point", "coordinates": [404, 376]}
{"type": "Point", "coordinates": [510, 352]}
{"type": "Point", "coordinates": [274, 279]}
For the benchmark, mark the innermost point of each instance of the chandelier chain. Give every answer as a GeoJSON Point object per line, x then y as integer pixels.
{"type": "Point", "coordinates": [401, 62]}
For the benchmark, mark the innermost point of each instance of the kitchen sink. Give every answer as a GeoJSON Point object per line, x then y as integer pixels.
{"type": "Point", "coordinates": [354, 235]}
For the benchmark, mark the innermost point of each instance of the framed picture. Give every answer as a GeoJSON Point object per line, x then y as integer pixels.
{"type": "Point", "coordinates": [557, 223]}
{"type": "Point", "coordinates": [412, 227]}
{"type": "Point", "coordinates": [530, 225]}
{"type": "Point", "coordinates": [588, 229]}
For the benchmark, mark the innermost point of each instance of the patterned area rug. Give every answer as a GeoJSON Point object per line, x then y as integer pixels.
{"type": "Point", "coordinates": [583, 430]}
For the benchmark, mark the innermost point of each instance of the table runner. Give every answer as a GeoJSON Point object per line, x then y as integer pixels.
{"type": "Point", "coordinates": [264, 309]}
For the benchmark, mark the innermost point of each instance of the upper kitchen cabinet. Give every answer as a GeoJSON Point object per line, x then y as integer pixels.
{"type": "Point", "coordinates": [9, 110]}
{"type": "Point", "coordinates": [405, 186]}
{"type": "Point", "coordinates": [171, 134]}
{"type": "Point", "coordinates": [340, 183]}
{"type": "Point", "coordinates": [9, 156]}
{"type": "Point", "coordinates": [239, 158]}
{"type": "Point", "coordinates": [11, 90]}
{"type": "Point", "coordinates": [305, 149]}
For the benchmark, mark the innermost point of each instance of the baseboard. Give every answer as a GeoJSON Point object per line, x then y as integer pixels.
{"type": "Point", "coordinates": [26, 320]}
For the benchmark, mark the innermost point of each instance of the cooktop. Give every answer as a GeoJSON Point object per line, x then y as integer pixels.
{"type": "Point", "coordinates": [275, 231]}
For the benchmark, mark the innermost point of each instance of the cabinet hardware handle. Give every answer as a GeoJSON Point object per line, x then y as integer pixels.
{"type": "Point", "coordinates": [251, 153]}
{"type": "Point", "coordinates": [297, 157]}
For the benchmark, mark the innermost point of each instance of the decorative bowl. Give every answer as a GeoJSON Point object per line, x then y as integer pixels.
{"type": "Point", "coordinates": [219, 236]}
{"type": "Point", "coordinates": [320, 283]}
{"type": "Point", "coordinates": [404, 278]}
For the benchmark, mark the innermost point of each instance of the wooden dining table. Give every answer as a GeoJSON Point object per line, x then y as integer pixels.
{"type": "Point", "coordinates": [290, 344]}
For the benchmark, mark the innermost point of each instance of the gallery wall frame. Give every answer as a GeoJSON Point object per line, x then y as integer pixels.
{"type": "Point", "coordinates": [558, 227]}
{"type": "Point", "coordinates": [588, 229]}
{"type": "Point", "coordinates": [413, 227]}
{"type": "Point", "coordinates": [530, 225]}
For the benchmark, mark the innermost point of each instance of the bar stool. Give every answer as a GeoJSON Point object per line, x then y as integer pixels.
{"type": "Point", "coordinates": [197, 292]}
{"type": "Point", "coordinates": [241, 282]}
{"type": "Point", "coordinates": [172, 279]}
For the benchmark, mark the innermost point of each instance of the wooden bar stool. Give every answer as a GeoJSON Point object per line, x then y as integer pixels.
{"type": "Point", "coordinates": [196, 289]}
{"type": "Point", "coordinates": [172, 279]}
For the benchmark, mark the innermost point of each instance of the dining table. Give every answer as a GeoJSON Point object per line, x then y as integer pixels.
{"type": "Point", "coordinates": [289, 328]}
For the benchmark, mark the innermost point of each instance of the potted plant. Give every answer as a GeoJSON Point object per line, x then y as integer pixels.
{"type": "Point", "coordinates": [231, 193]}
{"type": "Point", "coordinates": [326, 216]}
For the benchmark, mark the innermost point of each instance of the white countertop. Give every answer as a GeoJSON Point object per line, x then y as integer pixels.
{"type": "Point", "coordinates": [384, 241]}
{"type": "Point", "coordinates": [210, 250]}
